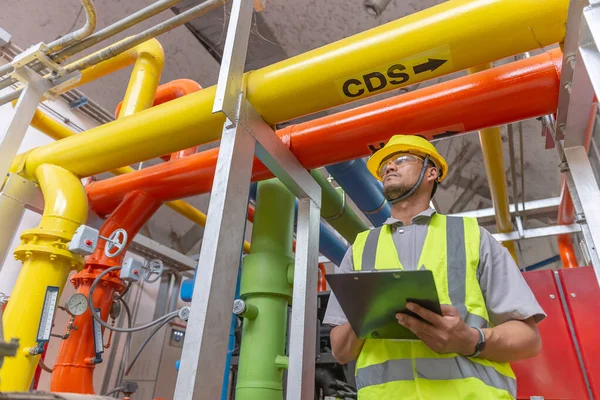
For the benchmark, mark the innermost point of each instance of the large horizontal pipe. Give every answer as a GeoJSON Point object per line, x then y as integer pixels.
{"type": "Point", "coordinates": [453, 35]}
{"type": "Point", "coordinates": [520, 90]}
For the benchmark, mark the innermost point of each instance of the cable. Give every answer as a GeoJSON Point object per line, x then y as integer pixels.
{"type": "Point", "coordinates": [115, 390]}
{"type": "Point", "coordinates": [45, 367]}
{"type": "Point", "coordinates": [120, 296]}
{"type": "Point", "coordinates": [113, 328]}
{"type": "Point", "coordinates": [139, 352]}
{"type": "Point", "coordinates": [129, 323]}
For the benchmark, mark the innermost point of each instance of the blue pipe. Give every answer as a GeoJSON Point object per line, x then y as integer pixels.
{"type": "Point", "coordinates": [187, 287]}
{"type": "Point", "coordinates": [231, 344]}
{"type": "Point", "coordinates": [364, 190]}
{"type": "Point", "coordinates": [329, 245]}
{"type": "Point", "coordinates": [542, 263]}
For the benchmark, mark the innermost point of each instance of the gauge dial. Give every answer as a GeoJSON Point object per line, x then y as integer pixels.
{"type": "Point", "coordinates": [77, 304]}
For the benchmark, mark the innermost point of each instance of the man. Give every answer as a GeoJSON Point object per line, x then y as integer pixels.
{"type": "Point", "coordinates": [489, 313]}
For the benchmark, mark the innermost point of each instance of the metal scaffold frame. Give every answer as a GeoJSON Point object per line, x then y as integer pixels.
{"type": "Point", "coordinates": [575, 120]}
{"type": "Point", "coordinates": [246, 134]}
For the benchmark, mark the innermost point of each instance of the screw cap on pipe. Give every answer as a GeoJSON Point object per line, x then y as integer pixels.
{"type": "Point", "coordinates": [245, 310]}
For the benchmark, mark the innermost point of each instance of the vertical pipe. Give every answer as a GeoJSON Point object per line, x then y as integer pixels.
{"type": "Point", "coordinates": [491, 147]}
{"type": "Point", "coordinates": [265, 285]}
{"type": "Point", "coordinates": [566, 216]}
{"type": "Point", "coordinates": [46, 262]}
{"type": "Point", "coordinates": [73, 370]}
{"type": "Point", "coordinates": [231, 344]}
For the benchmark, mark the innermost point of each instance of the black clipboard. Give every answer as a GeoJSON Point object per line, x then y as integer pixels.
{"type": "Point", "coordinates": [371, 300]}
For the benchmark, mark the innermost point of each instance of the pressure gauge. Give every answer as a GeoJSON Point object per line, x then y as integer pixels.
{"type": "Point", "coordinates": [77, 304]}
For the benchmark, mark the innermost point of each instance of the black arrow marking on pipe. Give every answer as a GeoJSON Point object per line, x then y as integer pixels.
{"type": "Point", "coordinates": [431, 65]}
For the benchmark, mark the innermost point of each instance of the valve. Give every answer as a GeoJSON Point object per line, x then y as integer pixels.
{"type": "Point", "coordinates": [85, 241]}
{"type": "Point", "coordinates": [116, 240]}
{"type": "Point", "coordinates": [153, 267]}
{"type": "Point", "coordinates": [131, 270]}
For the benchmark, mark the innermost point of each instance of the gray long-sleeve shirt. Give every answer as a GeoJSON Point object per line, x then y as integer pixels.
{"type": "Point", "coordinates": [507, 296]}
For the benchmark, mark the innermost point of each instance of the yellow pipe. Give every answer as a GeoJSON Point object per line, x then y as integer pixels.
{"type": "Point", "coordinates": [58, 131]}
{"type": "Point", "coordinates": [46, 262]}
{"type": "Point", "coordinates": [463, 33]}
{"type": "Point", "coordinates": [145, 78]}
{"type": "Point", "coordinates": [491, 147]}
{"type": "Point", "coordinates": [149, 59]}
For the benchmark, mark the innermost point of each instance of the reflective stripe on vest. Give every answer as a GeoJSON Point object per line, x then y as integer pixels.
{"type": "Point", "coordinates": [451, 252]}
{"type": "Point", "coordinates": [434, 369]}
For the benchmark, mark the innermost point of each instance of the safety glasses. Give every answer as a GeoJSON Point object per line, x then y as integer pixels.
{"type": "Point", "coordinates": [398, 160]}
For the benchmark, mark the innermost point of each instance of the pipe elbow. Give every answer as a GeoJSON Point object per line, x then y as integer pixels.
{"type": "Point", "coordinates": [153, 51]}
{"type": "Point", "coordinates": [65, 199]}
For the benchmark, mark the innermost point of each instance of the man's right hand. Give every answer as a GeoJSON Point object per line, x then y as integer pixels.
{"type": "Point", "coordinates": [344, 344]}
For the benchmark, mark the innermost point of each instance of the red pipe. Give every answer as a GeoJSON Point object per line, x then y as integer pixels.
{"type": "Point", "coordinates": [520, 90]}
{"type": "Point", "coordinates": [73, 370]}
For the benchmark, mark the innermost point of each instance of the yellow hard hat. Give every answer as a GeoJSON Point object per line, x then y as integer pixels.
{"type": "Point", "coordinates": [407, 144]}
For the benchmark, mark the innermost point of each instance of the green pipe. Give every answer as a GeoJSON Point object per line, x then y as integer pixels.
{"type": "Point", "coordinates": [335, 210]}
{"type": "Point", "coordinates": [265, 287]}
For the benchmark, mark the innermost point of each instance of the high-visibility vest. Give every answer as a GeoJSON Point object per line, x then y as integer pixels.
{"type": "Point", "coordinates": [408, 369]}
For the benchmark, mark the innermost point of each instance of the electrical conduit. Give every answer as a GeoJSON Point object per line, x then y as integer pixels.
{"type": "Point", "coordinates": [46, 262]}
{"type": "Point", "coordinates": [287, 89]}
{"type": "Point", "coordinates": [520, 90]}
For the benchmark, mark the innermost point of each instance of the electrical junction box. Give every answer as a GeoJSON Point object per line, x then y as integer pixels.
{"type": "Point", "coordinates": [84, 240]}
{"type": "Point", "coordinates": [131, 270]}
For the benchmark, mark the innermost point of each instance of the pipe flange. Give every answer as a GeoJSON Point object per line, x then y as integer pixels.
{"type": "Point", "coordinates": [79, 278]}
{"type": "Point", "coordinates": [26, 251]}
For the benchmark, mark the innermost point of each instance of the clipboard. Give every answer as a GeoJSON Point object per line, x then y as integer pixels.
{"type": "Point", "coordinates": [371, 300]}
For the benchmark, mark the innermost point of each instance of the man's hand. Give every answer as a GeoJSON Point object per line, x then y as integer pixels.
{"type": "Point", "coordinates": [447, 333]}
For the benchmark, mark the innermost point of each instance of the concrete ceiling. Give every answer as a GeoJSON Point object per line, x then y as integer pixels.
{"type": "Point", "coordinates": [284, 29]}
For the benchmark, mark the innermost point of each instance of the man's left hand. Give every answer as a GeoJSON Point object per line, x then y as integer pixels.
{"type": "Point", "coordinates": [446, 333]}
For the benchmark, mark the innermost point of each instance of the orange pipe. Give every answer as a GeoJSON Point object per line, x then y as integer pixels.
{"type": "Point", "coordinates": [322, 281]}
{"type": "Point", "coordinates": [566, 216]}
{"type": "Point", "coordinates": [73, 371]}
{"type": "Point", "coordinates": [520, 90]}
{"type": "Point", "coordinates": [566, 210]}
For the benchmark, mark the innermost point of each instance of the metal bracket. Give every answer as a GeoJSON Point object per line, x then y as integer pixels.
{"type": "Point", "coordinates": [34, 54]}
